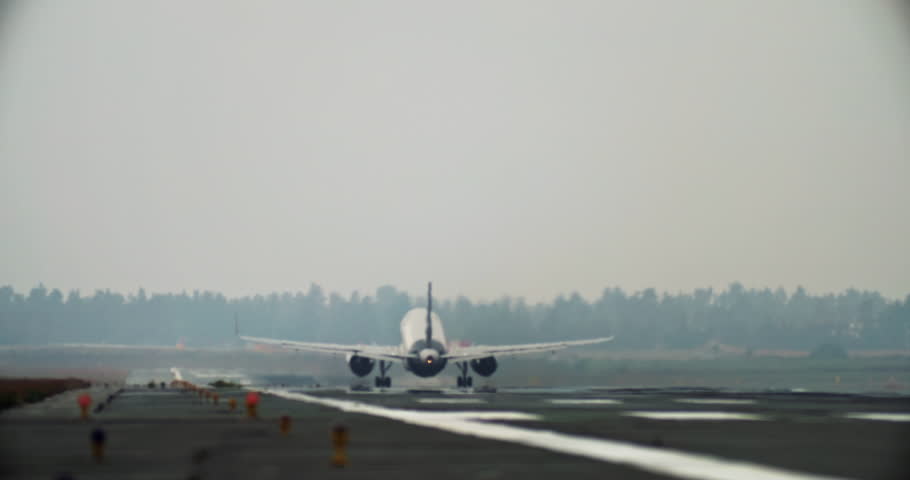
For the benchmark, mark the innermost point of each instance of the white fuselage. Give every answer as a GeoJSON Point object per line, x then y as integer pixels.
{"type": "Point", "coordinates": [429, 357]}
{"type": "Point", "coordinates": [414, 329]}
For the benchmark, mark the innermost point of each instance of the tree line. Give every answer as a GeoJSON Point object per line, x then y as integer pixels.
{"type": "Point", "coordinates": [646, 319]}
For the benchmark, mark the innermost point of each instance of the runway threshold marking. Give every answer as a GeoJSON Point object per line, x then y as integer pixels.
{"type": "Point", "coordinates": [658, 460]}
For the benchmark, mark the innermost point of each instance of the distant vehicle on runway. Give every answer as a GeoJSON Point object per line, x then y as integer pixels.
{"type": "Point", "coordinates": [423, 350]}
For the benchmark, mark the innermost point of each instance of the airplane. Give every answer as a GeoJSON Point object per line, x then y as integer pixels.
{"type": "Point", "coordinates": [424, 350]}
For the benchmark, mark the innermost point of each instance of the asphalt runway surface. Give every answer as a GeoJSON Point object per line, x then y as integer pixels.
{"type": "Point", "coordinates": [532, 433]}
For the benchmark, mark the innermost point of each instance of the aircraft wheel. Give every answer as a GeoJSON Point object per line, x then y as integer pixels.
{"type": "Point", "coordinates": [388, 382]}
{"type": "Point", "coordinates": [460, 382]}
{"type": "Point", "coordinates": [470, 382]}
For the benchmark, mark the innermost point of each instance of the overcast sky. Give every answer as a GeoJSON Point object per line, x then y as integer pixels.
{"type": "Point", "coordinates": [522, 148]}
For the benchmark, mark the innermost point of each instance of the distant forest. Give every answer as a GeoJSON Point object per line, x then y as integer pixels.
{"type": "Point", "coordinates": [750, 318]}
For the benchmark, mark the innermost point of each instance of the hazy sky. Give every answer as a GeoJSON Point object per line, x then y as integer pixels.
{"type": "Point", "coordinates": [523, 148]}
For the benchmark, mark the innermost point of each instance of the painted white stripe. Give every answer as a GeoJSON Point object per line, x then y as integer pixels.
{"type": "Point", "coordinates": [717, 401]}
{"type": "Point", "coordinates": [469, 416]}
{"type": "Point", "coordinates": [219, 375]}
{"type": "Point", "coordinates": [203, 376]}
{"type": "Point", "coordinates": [886, 417]}
{"type": "Point", "coordinates": [584, 401]}
{"type": "Point", "coordinates": [658, 460]}
{"type": "Point", "coordinates": [694, 415]}
{"type": "Point", "coordinates": [451, 400]}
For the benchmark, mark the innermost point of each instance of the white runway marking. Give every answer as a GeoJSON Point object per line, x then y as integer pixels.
{"type": "Point", "coordinates": [659, 460]}
{"type": "Point", "coordinates": [584, 401]}
{"type": "Point", "coordinates": [694, 415]}
{"type": "Point", "coordinates": [202, 376]}
{"type": "Point", "coordinates": [717, 401]}
{"type": "Point", "coordinates": [218, 374]}
{"type": "Point", "coordinates": [454, 401]}
{"type": "Point", "coordinates": [887, 417]}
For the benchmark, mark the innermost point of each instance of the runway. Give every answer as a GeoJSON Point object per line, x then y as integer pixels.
{"type": "Point", "coordinates": [535, 433]}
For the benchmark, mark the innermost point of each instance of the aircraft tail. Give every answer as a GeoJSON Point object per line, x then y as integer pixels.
{"type": "Point", "coordinates": [429, 338]}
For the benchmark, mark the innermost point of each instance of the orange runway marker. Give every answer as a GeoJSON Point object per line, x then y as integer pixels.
{"type": "Point", "coordinates": [252, 403]}
{"type": "Point", "coordinates": [84, 401]}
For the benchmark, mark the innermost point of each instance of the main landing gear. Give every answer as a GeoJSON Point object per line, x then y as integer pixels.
{"type": "Point", "coordinates": [383, 380]}
{"type": "Point", "coordinates": [464, 380]}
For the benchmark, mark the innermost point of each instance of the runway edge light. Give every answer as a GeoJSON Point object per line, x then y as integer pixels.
{"type": "Point", "coordinates": [340, 443]}
{"type": "Point", "coordinates": [98, 438]}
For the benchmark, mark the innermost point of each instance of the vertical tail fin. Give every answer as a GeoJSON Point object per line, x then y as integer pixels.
{"type": "Point", "coordinates": [429, 313]}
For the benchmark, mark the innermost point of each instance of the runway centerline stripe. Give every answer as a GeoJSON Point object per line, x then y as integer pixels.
{"type": "Point", "coordinates": [658, 460]}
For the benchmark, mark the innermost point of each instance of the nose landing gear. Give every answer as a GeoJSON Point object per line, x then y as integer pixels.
{"type": "Point", "coordinates": [464, 380]}
{"type": "Point", "coordinates": [383, 380]}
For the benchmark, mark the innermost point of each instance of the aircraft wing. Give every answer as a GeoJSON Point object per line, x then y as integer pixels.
{"type": "Point", "coordinates": [481, 351]}
{"type": "Point", "coordinates": [370, 351]}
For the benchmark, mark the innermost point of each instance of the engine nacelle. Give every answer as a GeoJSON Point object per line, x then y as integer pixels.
{"type": "Point", "coordinates": [484, 366]}
{"type": "Point", "coordinates": [361, 366]}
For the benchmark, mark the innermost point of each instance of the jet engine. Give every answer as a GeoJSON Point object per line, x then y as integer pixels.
{"type": "Point", "coordinates": [361, 366]}
{"type": "Point", "coordinates": [484, 366]}
{"type": "Point", "coordinates": [428, 356]}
